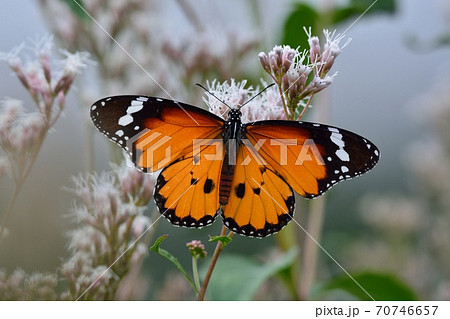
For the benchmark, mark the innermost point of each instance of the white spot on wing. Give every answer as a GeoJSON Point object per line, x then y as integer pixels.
{"type": "Point", "coordinates": [135, 107]}
{"type": "Point", "coordinates": [125, 120]}
{"type": "Point", "coordinates": [333, 129]}
{"type": "Point", "coordinates": [119, 133]}
{"type": "Point", "coordinates": [336, 138]}
{"type": "Point", "coordinates": [343, 155]}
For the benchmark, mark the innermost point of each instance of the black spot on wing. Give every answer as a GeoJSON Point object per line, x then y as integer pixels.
{"type": "Point", "coordinates": [240, 190]}
{"type": "Point", "coordinates": [209, 186]}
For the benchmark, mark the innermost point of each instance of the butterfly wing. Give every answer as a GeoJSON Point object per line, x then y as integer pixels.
{"type": "Point", "coordinates": [155, 132]}
{"type": "Point", "coordinates": [260, 201]}
{"type": "Point", "coordinates": [187, 191]}
{"type": "Point", "coordinates": [159, 133]}
{"type": "Point", "coordinates": [312, 157]}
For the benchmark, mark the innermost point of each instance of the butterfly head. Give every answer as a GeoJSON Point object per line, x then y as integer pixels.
{"type": "Point", "coordinates": [234, 115]}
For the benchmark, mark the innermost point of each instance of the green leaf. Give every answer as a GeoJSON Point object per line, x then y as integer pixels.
{"type": "Point", "coordinates": [225, 240]}
{"type": "Point", "coordinates": [77, 7]}
{"type": "Point", "coordinates": [302, 16]}
{"type": "Point", "coordinates": [382, 6]}
{"type": "Point", "coordinates": [357, 7]}
{"type": "Point", "coordinates": [172, 259]}
{"type": "Point", "coordinates": [380, 286]}
{"type": "Point", "coordinates": [237, 277]}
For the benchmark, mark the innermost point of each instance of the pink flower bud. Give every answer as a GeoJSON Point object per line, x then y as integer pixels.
{"type": "Point", "coordinates": [264, 60]}
{"type": "Point", "coordinates": [45, 63]}
{"type": "Point", "coordinates": [61, 99]}
{"type": "Point", "coordinates": [314, 49]}
{"type": "Point", "coordinates": [197, 249]}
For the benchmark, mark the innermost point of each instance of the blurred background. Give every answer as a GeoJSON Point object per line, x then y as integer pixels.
{"type": "Point", "coordinates": [392, 224]}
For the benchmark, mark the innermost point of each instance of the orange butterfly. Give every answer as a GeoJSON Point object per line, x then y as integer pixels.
{"type": "Point", "coordinates": [248, 172]}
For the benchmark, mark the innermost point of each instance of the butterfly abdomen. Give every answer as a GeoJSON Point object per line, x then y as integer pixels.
{"type": "Point", "coordinates": [226, 179]}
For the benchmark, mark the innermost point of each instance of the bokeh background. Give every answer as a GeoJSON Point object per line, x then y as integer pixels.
{"type": "Point", "coordinates": [392, 87]}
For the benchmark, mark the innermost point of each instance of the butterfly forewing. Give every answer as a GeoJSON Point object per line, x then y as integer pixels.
{"type": "Point", "coordinates": [154, 132]}
{"type": "Point", "coordinates": [312, 157]}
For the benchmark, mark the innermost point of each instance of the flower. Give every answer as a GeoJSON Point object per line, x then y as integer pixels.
{"type": "Point", "coordinates": [291, 69]}
{"type": "Point", "coordinates": [47, 83]}
{"type": "Point", "coordinates": [226, 95]}
{"type": "Point", "coordinates": [22, 286]}
{"type": "Point", "coordinates": [71, 66]}
{"type": "Point", "coordinates": [20, 133]}
{"type": "Point", "coordinates": [196, 248]}
{"type": "Point", "coordinates": [105, 247]}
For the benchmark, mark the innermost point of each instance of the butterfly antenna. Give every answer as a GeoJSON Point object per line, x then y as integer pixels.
{"type": "Point", "coordinates": [212, 94]}
{"type": "Point", "coordinates": [270, 85]}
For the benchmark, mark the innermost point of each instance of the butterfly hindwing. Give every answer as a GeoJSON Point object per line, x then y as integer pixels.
{"type": "Point", "coordinates": [312, 157]}
{"type": "Point", "coordinates": [187, 191]}
{"type": "Point", "coordinates": [153, 131]}
{"type": "Point", "coordinates": [260, 201]}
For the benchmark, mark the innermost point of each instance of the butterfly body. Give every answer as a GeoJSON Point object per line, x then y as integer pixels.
{"type": "Point", "coordinates": [232, 139]}
{"type": "Point", "coordinates": [247, 172]}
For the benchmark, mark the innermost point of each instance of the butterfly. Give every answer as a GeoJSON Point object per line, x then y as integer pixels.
{"type": "Point", "coordinates": [246, 172]}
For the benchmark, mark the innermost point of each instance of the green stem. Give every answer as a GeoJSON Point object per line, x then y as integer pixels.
{"type": "Point", "coordinates": [217, 251]}
{"type": "Point", "coordinates": [195, 272]}
{"type": "Point", "coordinates": [305, 108]}
{"type": "Point", "coordinates": [286, 113]}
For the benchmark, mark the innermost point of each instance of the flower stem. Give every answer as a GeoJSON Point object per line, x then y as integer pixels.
{"type": "Point", "coordinates": [286, 113]}
{"type": "Point", "coordinates": [315, 221]}
{"type": "Point", "coordinates": [309, 260]}
{"type": "Point", "coordinates": [19, 183]}
{"type": "Point", "coordinates": [217, 251]}
{"type": "Point", "coordinates": [306, 107]}
{"type": "Point", "coordinates": [195, 272]}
